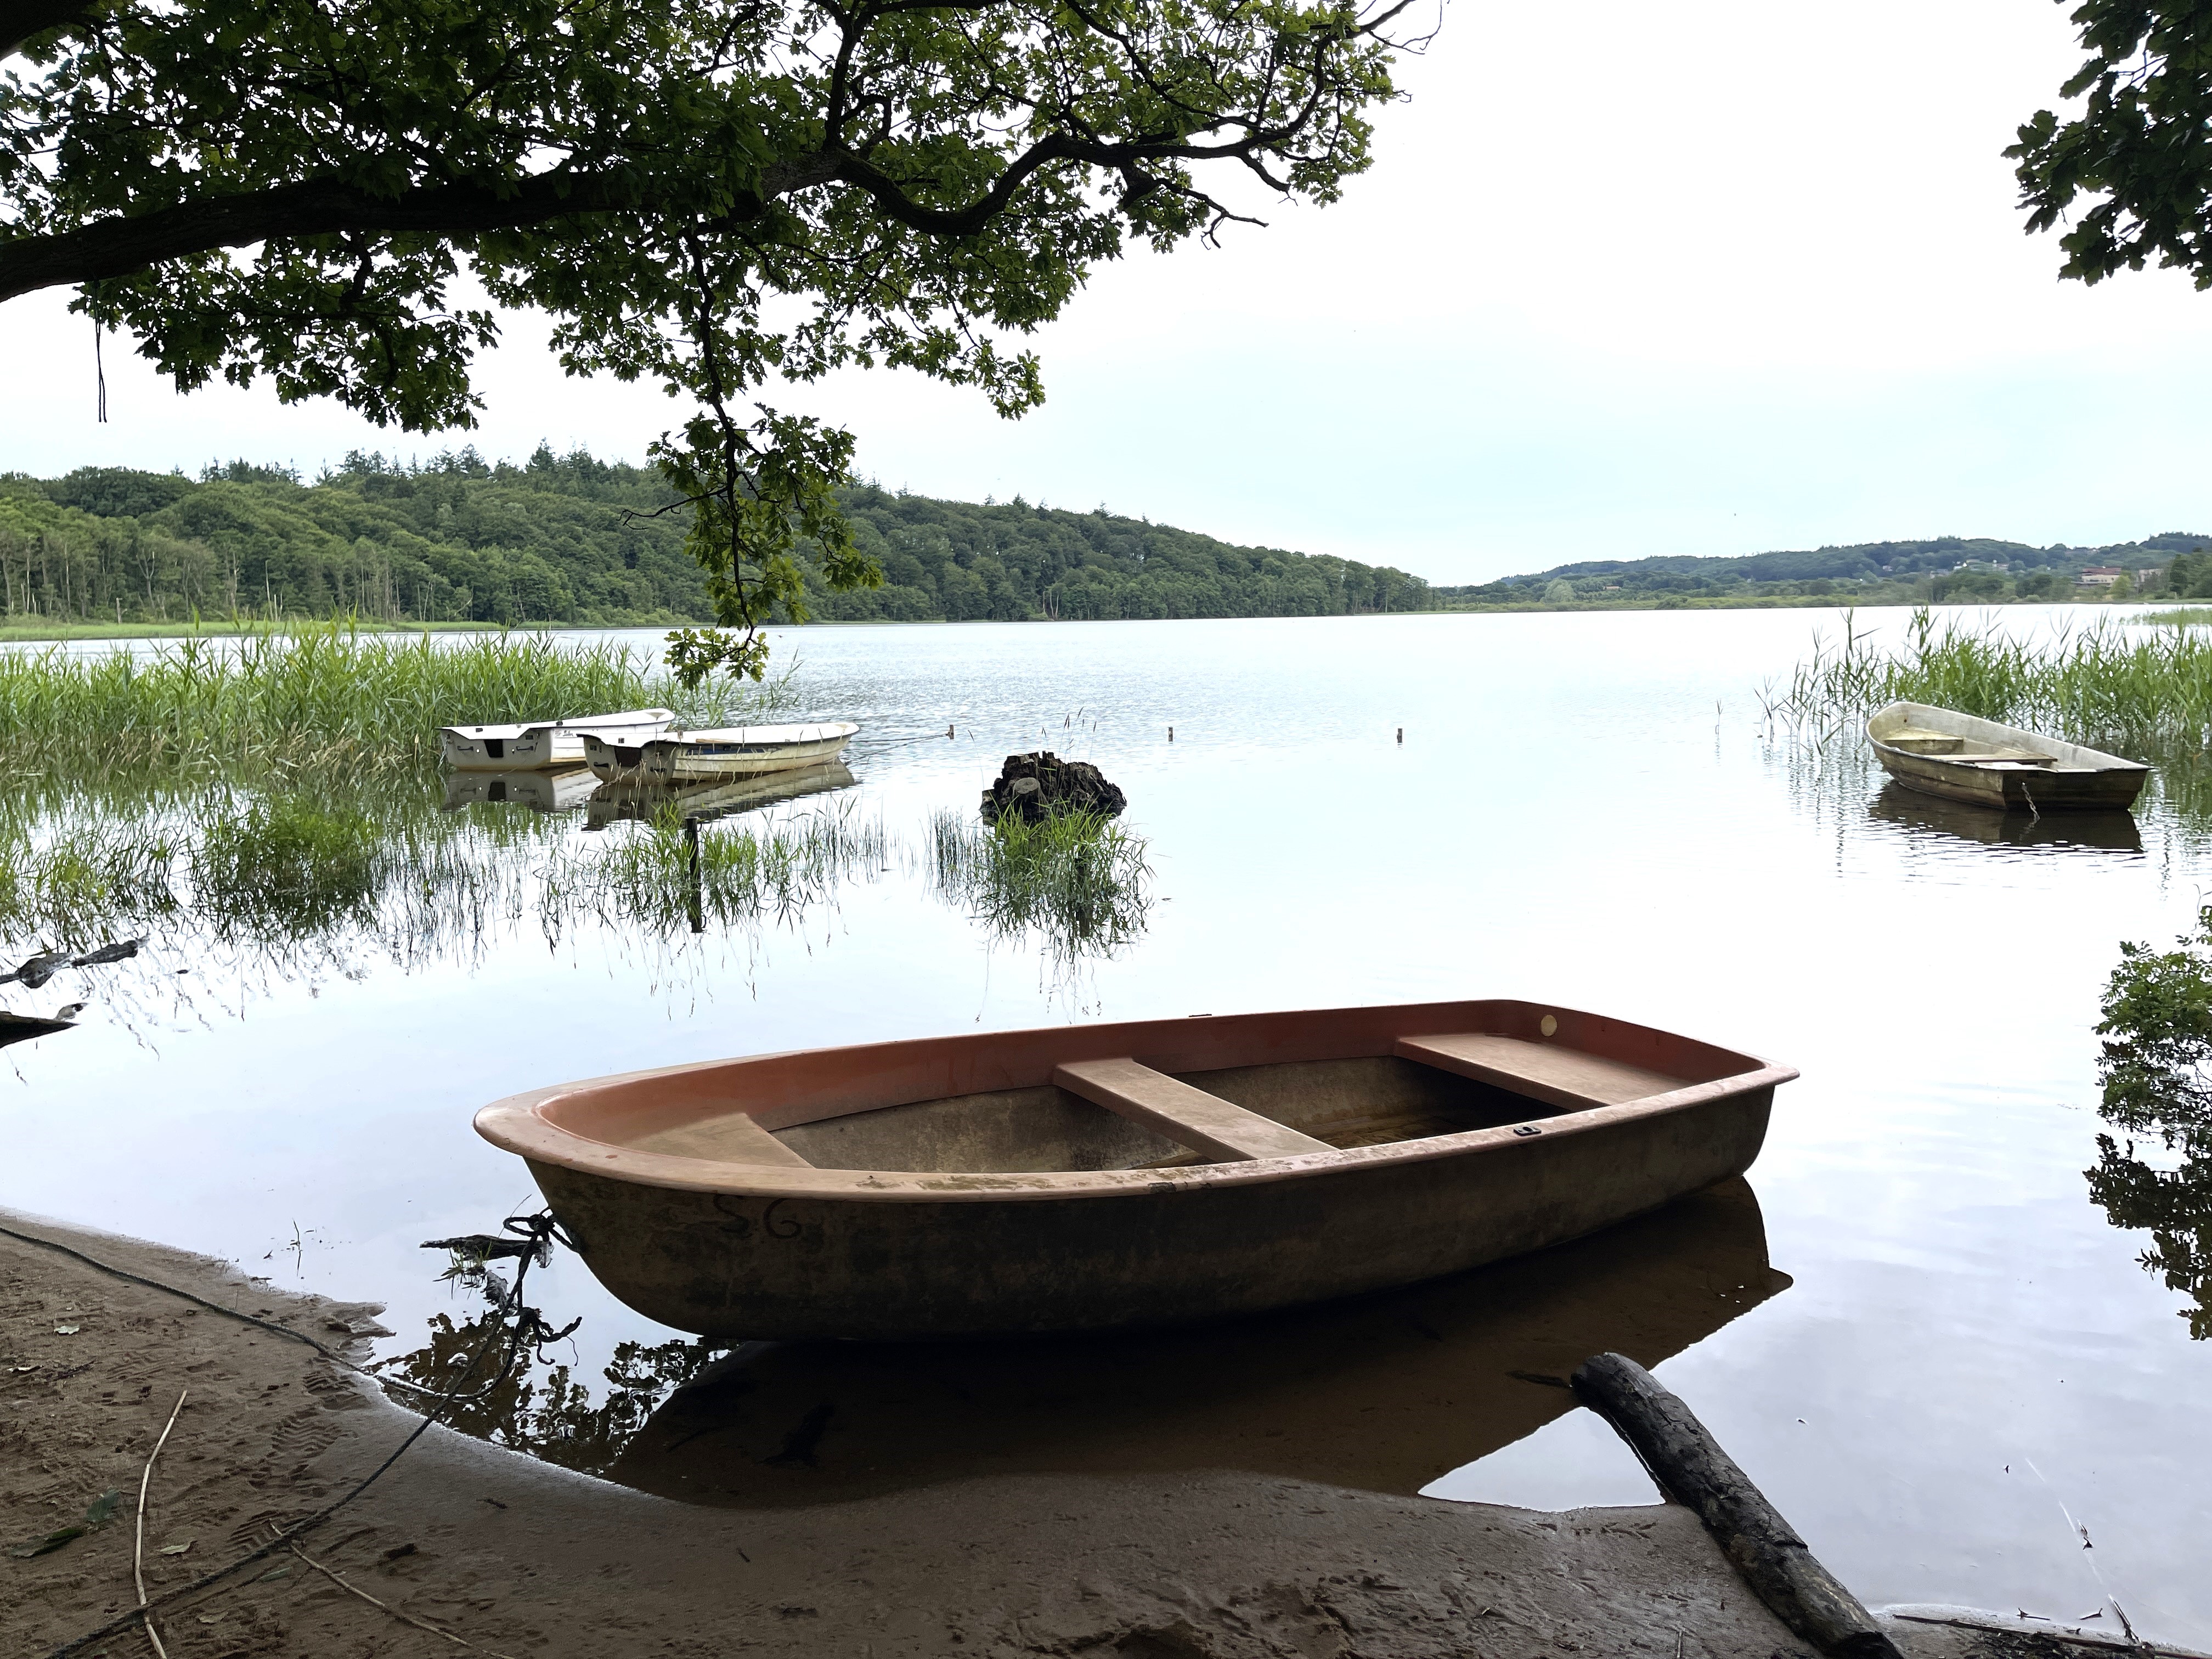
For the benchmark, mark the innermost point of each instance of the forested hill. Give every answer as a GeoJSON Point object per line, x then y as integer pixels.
{"type": "Point", "coordinates": [1942, 568]}
{"type": "Point", "coordinates": [561, 539]}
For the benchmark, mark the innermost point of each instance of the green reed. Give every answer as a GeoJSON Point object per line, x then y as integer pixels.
{"type": "Point", "coordinates": [1078, 880]}
{"type": "Point", "coordinates": [323, 694]}
{"type": "Point", "coordinates": [668, 874]}
{"type": "Point", "coordinates": [2099, 685]}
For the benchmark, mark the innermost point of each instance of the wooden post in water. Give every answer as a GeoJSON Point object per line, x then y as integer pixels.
{"type": "Point", "coordinates": [1690, 1467]}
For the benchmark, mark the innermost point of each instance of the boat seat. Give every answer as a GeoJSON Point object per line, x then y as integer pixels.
{"type": "Point", "coordinates": [734, 1138]}
{"type": "Point", "coordinates": [1543, 1071]}
{"type": "Point", "coordinates": [1203, 1122]}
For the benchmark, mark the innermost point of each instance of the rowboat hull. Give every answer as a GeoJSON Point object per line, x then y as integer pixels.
{"type": "Point", "coordinates": [1434, 1376]}
{"type": "Point", "coordinates": [703, 757]}
{"type": "Point", "coordinates": [2031, 773]}
{"type": "Point", "coordinates": [544, 745]}
{"type": "Point", "coordinates": [1096, 1219]}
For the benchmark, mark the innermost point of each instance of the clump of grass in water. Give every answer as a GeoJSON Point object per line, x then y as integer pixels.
{"type": "Point", "coordinates": [722, 874]}
{"type": "Point", "coordinates": [1078, 878]}
{"type": "Point", "coordinates": [86, 888]}
{"type": "Point", "coordinates": [322, 695]}
{"type": "Point", "coordinates": [2096, 686]}
{"type": "Point", "coordinates": [290, 864]}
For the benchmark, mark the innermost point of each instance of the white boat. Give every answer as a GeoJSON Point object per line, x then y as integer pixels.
{"type": "Point", "coordinates": [541, 745]}
{"type": "Point", "coordinates": [729, 751]}
{"type": "Point", "coordinates": [541, 791]}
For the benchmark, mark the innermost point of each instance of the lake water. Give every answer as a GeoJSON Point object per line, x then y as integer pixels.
{"type": "Point", "coordinates": [1912, 1325]}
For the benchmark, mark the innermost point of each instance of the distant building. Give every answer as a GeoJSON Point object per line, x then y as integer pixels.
{"type": "Point", "coordinates": [2101, 575]}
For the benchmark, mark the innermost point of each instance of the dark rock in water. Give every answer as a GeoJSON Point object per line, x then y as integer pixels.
{"type": "Point", "coordinates": [1034, 787]}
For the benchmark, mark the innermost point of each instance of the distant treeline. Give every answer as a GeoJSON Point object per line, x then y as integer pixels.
{"type": "Point", "coordinates": [1945, 569]}
{"type": "Point", "coordinates": [569, 538]}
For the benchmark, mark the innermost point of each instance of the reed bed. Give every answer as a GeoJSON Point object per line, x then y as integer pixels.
{"type": "Point", "coordinates": [1078, 880]}
{"type": "Point", "coordinates": [323, 695]}
{"type": "Point", "coordinates": [2097, 685]}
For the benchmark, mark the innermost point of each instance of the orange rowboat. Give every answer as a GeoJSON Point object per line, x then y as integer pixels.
{"type": "Point", "coordinates": [1153, 1172]}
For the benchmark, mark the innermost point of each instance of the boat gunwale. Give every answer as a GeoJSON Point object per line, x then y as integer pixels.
{"type": "Point", "coordinates": [519, 1124]}
{"type": "Point", "coordinates": [576, 725]}
{"type": "Point", "coordinates": [734, 736]}
{"type": "Point", "coordinates": [2079, 754]}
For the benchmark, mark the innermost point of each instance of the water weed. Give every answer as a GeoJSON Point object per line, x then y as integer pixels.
{"type": "Point", "coordinates": [323, 695]}
{"type": "Point", "coordinates": [2098, 685]}
{"type": "Point", "coordinates": [1078, 880]}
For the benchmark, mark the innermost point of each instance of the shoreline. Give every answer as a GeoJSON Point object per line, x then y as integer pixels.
{"type": "Point", "coordinates": [512, 1556]}
{"type": "Point", "coordinates": [66, 633]}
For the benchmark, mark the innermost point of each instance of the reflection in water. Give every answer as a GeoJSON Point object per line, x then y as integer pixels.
{"type": "Point", "coordinates": [2115, 832]}
{"type": "Point", "coordinates": [702, 802]}
{"type": "Point", "coordinates": [1385, 1392]}
{"type": "Point", "coordinates": [2157, 1175]}
{"type": "Point", "coordinates": [541, 791]}
{"type": "Point", "coordinates": [1077, 881]}
{"type": "Point", "coordinates": [297, 877]}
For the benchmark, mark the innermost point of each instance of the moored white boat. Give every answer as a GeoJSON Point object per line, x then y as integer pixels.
{"type": "Point", "coordinates": [729, 751]}
{"type": "Point", "coordinates": [1962, 757]}
{"type": "Point", "coordinates": [540, 746]}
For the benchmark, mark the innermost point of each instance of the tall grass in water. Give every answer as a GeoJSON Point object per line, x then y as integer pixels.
{"type": "Point", "coordinates": [1078, 880]}
{"type": "Point", "coordinates": [2095, 686]}
{"type": "Point", "coordinates": [322, 695]}
{"type": "Point", "coordinates": [670, 875]}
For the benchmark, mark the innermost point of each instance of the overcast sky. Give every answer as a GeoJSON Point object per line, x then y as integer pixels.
{"type": "Point", "coordinates": [1626, 279]}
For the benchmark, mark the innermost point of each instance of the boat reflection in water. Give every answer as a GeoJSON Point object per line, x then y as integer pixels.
{"type": "Point", "coordinates": [1385, 1392]}
{"type": "Point", "coordinates": [541, 791]}
{"type": "Point", "coordinates": [703, 803]}
{"type": "Point", "coordinates": [2111, 832]}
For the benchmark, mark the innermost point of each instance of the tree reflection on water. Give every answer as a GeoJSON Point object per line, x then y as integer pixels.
{"type": "Point", "coordinates": [2156, 1174]}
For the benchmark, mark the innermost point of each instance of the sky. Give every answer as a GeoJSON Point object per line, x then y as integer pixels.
{"type": "Point", "coordinates": [1625, 280]}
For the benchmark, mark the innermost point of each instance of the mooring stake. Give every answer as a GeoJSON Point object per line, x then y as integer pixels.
{"type": "Point", "coordinates": [1690, 1467]}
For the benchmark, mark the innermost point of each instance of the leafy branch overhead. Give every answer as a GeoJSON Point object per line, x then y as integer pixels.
{"type": "Point", "coordinates": [707, 193]}
{"type": "Point", "coordinates": [2137, 158]}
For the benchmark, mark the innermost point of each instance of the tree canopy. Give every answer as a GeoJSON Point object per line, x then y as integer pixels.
{"type": "Point", "coordinates": [2138, 154]}
{"type": "Point", "coordinates": [570, 538]}
{"type": "Point", "coordinates": [710, 193]}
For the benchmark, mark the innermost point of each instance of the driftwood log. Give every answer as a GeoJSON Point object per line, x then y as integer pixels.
{"type": "Point", "coordinates": [1690, 1466]}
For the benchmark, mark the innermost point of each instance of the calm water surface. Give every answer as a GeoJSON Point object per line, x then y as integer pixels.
{"type": "Point", "coordinates": [1912, 1325]}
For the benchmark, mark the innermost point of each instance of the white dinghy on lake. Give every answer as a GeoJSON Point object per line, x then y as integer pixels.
{"type": "Point", "coordinates": [541, 745]}
{"type": "Point", "coordinates": [729, 751]}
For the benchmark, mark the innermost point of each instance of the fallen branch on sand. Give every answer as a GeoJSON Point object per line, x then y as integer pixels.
{"type": "Point", "coordinates": [1690, 1467]}
{"type": "Point", "coordinates": [138, 1546]}
{"type": "Point", "coordinates": [404, 1618]}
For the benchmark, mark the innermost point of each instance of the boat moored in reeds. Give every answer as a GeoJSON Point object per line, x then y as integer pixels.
{"type": "Point", "coordinates": [539, 745]}
{"type": "Point", "coordinates": [731, 751]}
{"type": "Point", "coordinates": [1961, 757]}
{"type": "Point", "coordinates": [1149, 1173]}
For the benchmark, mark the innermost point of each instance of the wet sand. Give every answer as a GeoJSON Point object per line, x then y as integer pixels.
{"type": "Point", "coordinates": [516, 1557]}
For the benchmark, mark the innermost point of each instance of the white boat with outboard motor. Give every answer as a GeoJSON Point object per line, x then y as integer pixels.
{"type": "Point", "coordinates": [542, 746]}
{"type": "Point", "coordinates": [729, 751]}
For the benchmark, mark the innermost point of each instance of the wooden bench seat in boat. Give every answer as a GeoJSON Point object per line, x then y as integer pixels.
{"type": "Point", "coordinates": [1562, 1077]}
{"type": "Point", "coordinates": [1203, 1122]}
{"type": "Point", "coordinates": [733, 1138]}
